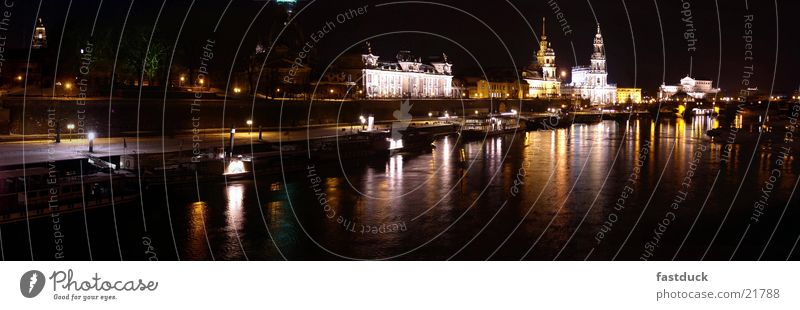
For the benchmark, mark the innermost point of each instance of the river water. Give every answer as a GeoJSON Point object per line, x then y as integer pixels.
{"type": "Point", "coordinates": [614, 190]}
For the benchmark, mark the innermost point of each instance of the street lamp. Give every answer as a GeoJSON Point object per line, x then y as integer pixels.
{"type": "Point", "coordinates": [237, 90]}
{"type": "Point", "coordinates": [181, 80]}
{"type": "Point", "coordinates": [232, 139]}
{"type": "Point", "coordinates": [363, 120]}
{"type": "Point", "coordinates": [70, 127]}
{"type": "Point", "coordinates": [250, 124]}
{"type": "Point", "coordinates": [430, 114]}
{"type": "Point", "coordinates": [91, 136]}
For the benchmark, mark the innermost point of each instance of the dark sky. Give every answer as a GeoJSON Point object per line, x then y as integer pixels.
{"type": "Point", "coordinates": [491, 34]}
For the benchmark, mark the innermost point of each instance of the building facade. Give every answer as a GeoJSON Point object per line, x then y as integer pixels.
{"type": "Point", "coordinates": [591, 82]}
{"type": "Point", "coordinates": [629, 95]}
{"type": "Point", "coordinates": [541, 75]}
{"type": "Point", "coordinates": [485, 89]}
{"type": "Point", "coordinates": [404, 77]}
{"type": "Point", "coordinates": [697, 89]}
{"type": "Point", "coordinates": [39, 36]}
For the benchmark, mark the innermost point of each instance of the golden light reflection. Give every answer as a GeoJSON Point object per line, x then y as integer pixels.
{"type": "Point", "coordinates": [234, 211]}
{"type": "Point", "coordinates": [197, 229]}
{"type": "Point", "coordinates": [737, 122]}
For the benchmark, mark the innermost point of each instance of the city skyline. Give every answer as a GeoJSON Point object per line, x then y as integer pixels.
{"type": "Point", "coordinates": [571, 25]}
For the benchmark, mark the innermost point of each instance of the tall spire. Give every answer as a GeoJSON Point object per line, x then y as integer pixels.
{"type": "Point", "coordinates": [543, 23]}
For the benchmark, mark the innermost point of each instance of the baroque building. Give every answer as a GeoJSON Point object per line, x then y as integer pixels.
{"type": "Point", "coordinates": [541, 74]}
{"type": "Point", "coordinates": [406, 76]}
{"type": "Point", "coordinates": [592, 82]}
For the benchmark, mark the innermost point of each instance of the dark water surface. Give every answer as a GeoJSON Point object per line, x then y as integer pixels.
{"type": "Point", "coordinates": [614, 190]}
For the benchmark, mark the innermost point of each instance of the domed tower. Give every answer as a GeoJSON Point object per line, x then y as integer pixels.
{"type": "Point", "coordinates": [546, 56]}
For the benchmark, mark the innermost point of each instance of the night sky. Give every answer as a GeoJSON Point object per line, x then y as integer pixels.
{"type": "Point", "coordinates": [476, 35]}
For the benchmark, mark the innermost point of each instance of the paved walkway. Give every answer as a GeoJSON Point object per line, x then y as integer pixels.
{"type": "Point", "coordinates": [36, 149]}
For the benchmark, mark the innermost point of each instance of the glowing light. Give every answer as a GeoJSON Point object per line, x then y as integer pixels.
{"type": "Point", "coordinates": [563, 73]}
{"type": "Point", "coordinates": [476, 112]}
{"type": "Point", "coordinates": [395, 144]}
{"type": "Point", "coordinates": [249, 122]}
{"type": "Point", "coordinates": [235, 166]}
{"type": "Point", "coordinates": [202, 81]}
{"type": "Point", "coordinates": [681, 109]}
{"type": "Point", "coordinates": [278, 90]}
{"type": "Point", "coordinates": [331, 90]}
{"type": "Point", "coordinates": [430, 114]}
{"type": "Point", "coordinates": [183, 78]}
{"type": "Point", "coordinates": [70, 126]}
{"type": "Point", "coordinates": [91, 136]}
{"type": "Point", "coordinates": [68, 85]}
{"type": "Point", "coordinates": [19, 78]}
{"type": "Point", "coordinates": [237, 90]}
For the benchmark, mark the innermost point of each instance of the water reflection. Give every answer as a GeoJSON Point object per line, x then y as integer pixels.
{"type": "Point", "coordinates": [197, 237]}
{"type": "Point", "coordinates": [566, 172]}
{"type": "Point", "coordinates": [235, 218]}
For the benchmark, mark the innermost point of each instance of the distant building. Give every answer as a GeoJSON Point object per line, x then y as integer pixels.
{"type": "Point", "coordinates": [697, 89]}
{"type": "Point", "coordinates": [39, 36]}
{"type": "Point", "coordinates": [485, 89]}
{"type": "Point", "coordinates": [541, 75]}
{"type": "Point", "coordinates": [629, 95]}
{"type": "Point", "coordinates": [404, 77]}
{"type": "Point", "coordinates": [592, 82]}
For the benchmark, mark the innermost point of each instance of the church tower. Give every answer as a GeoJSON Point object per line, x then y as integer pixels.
{"type": "Point", "coordinates": [546, 56]}
{"type": "Point", "coordinates": [599, 54]}
{"type": "Point", "coordinates": [599, 75]}
{"type": "Point", "coordinates": [39, 36]}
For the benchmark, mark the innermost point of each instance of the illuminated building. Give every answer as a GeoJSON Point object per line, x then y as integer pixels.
{"type": "Point", "coordinates": [404, 77]}
{"type": "Point", "coordinates": [629, 95]}
{"type": "Point", "coordinates": [485, 89]}
{"type": "Point", "coordinates": [592, 82]}
{"type": "Point", "coordinates": [39, 36]}
{"type": "Point", "coordinates": [541, 75]}
{"type": "Point", "coordinates": [697, 89]}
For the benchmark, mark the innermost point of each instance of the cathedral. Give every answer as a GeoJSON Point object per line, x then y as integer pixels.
{"type": "Point", "coordinates": [541, 75]}
{"type": "Point", "coordinates": [592, 82]}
